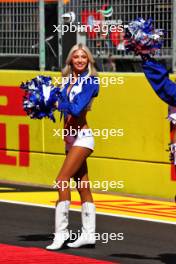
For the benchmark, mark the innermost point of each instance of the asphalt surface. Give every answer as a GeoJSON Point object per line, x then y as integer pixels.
{"type": "Point", "coordinates": [144, 242]}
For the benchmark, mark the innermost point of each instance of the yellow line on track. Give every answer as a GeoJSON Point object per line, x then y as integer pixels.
{"type": "Point", "coordinates": [105, 203]}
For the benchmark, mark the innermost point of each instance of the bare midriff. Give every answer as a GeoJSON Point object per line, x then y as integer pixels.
{"type": "Point", "coordinates": [76, 122]}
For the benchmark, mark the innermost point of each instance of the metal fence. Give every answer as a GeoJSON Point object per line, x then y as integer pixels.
{"type": "Point", "coordinates": [22, 25]}
{"type": "Point", "coordinates": [19, 28]}
{"type": "Point", "coordinates": [122, 10]}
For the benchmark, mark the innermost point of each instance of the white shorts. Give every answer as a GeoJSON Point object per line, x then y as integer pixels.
{"type": "Point", "coordinates": [172, 114]}
{"type": "Point", "coordinates": [83, 139]}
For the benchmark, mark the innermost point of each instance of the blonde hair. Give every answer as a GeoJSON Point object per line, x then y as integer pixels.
{"type": "Point", "coordinates": [67, 70]}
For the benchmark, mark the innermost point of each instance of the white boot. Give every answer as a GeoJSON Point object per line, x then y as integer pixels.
{"type": "Point", "coordinates": [61, 224]}
{"type": "Point", "coordinates": [87, 236]}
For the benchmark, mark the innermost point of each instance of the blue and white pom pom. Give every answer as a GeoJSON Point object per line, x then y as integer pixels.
{"type": "Point", "coordinates": [142, 38]}
{"type": "Point", "coordinates": [40, 97]}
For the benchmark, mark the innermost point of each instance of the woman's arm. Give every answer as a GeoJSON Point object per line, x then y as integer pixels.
{"type": "Point", "coordinates": [158, 77]}
{"type": "Point", "coordinates": [81, 100]}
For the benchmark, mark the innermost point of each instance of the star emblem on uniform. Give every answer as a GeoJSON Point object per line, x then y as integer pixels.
{"type": "Point", "coordinates": [65, 214]}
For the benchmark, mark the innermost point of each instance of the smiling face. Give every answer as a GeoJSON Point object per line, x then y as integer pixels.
{"type": "Point", "coordinates": [79, 61]}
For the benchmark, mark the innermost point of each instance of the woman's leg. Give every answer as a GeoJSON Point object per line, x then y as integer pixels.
{"type": "Point", "coordinates": [72, 163]}
{"type": "Point", "coordinates": [173, 144]}
{"type": "Point", "coordinates": [88, 213]}
{"type": "Point", "coordinates": [83, 185]}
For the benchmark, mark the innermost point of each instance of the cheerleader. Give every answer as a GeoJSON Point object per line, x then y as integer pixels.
{"type": "Point", "coordinates": [76, 98]}
{"type": "Point", "coordinates": [158, 77]}
{"type": "Point", "coordinates": [143, 39]}
{"type": "Point", "coordinates": [172, 119]}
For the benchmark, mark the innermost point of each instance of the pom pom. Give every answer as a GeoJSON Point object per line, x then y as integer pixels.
{"type": "Point", "coordinates": [40, 97]}
{"type": "Point", "coordinates": [142, 38]}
